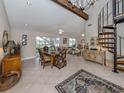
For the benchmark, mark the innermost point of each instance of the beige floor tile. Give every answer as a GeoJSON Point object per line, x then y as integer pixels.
{"type": "Point", "coordinates": [35, 79]}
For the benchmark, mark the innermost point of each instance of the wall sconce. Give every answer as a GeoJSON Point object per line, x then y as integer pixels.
{"type": "Point", "coordinates": [82, 35]}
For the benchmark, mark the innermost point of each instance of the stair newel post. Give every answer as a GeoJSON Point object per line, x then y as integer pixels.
{"type": "Point", "coordinates": [115, 35]}
{"type": "Point", "coordinates": [115, 49]}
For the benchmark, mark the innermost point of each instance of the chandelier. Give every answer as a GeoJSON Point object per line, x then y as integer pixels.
{"type": "Point", "coordinates": [82, 4]}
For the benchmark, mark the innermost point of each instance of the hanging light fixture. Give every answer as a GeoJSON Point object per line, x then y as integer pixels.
{"type": "Point", "coordinates": [28, 3]}
{"type": "Point", "coordinates": [83, 35]}
{"type": "Point", "coordinates": [82, 4]}
{"type": "Point", "coordinates": [61, 31]}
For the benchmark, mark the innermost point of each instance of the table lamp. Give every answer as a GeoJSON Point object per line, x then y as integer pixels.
{"type": "Point", "coordinates": [11, 44]}
{"type": "Point", "coordinates": [1, 52]}
{"type": "Point", "coordinates": [1, 57]}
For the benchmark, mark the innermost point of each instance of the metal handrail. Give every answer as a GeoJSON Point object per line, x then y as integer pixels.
{"type": "Point", "coordinates": [104, 21]}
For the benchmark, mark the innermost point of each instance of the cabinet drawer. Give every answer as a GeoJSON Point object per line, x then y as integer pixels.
{"type": "Point", "coordinates": [93, 55]}
{"type": "Point", "coordinates": [11, 64]}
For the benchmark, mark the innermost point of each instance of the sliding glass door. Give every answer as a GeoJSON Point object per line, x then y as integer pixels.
{"type": "Point", "coordinates": [47, 41]}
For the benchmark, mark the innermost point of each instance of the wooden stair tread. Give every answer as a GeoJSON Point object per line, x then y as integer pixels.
{"type": "Point", "coordinates": [106, 42]}
{"type": "Point", "coordinates": [106, 33]}
{"type": "Point", "coordinates": [108, 47]}
{"type": "Point", "coordinates": [120, 68]}
{"type": "Point", "coordinates": [119, 19]}
{"type": "Point", "coordinates": [119, 57]}
{"type": "Point", "coordinates": [106, 38]}
{"type": "Point", "coordinates": [120, 62]}
{"type": "Point", "coordinates": [109, 27]}
{"type": "Point", "coordinates": [111, 51]}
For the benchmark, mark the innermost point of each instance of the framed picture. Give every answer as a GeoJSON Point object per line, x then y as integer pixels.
{"type": "Point", "coordinates": [92, 41]}
{"type": "Point", "coordinates": [64, 40]}
{"type": "Point", "coordinates": [24, 40]}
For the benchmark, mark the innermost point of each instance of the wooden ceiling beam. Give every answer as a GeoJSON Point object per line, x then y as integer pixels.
{"type": "Point", "coordinates": [72, 8]}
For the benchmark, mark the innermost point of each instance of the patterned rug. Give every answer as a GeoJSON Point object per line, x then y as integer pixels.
{"type": "Point", "coordinates": [85, 82]}
{"type": "Point", "coordinates": [10, 81]}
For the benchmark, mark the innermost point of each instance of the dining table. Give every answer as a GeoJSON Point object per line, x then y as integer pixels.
{"type": "Point", "coordinates": [53, 55]}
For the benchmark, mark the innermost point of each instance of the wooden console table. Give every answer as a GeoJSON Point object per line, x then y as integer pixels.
{"type": "Point", "coordinates": [11, 71]}
{"type": "Point", "coordinates": [11, 63]}
{"type": "Point", "coordinates": [95, 56]}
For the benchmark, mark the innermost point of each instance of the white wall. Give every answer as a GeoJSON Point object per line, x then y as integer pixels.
{"type": "Point", "coordinates": [120, 30]}
{"type": "Point", "coordinates": [4, 24]}
{"type": "Point", "coordinates": [29, 50]}
{"type": "Point", "coordinates": [92, 31]}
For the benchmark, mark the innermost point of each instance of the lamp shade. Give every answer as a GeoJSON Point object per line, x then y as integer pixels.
{"type": "Point", "coordinates": [1, 54]}
{"type": "Point", "coordinates": [11, 44]}
{"type": "Point", "coordinates": [0, 43]}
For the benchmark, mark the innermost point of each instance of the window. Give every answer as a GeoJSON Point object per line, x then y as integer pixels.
{"type": "Point", "coordinates": [72, 42]}
{"type": "Point", "coordinates": [55, 42]}
{"type": "Point", "coordinates": [47, 41]}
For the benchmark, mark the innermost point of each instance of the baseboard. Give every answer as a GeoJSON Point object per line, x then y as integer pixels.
{"type": "Point", "coordinates": [28, 58]}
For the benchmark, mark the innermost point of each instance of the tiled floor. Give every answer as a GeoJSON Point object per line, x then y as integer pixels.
{"type": "Point", "coordinates": [35, 79]}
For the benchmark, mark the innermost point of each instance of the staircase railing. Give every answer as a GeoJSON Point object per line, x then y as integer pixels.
{"type": "Point", "coordinates": [111, 13]}
{"type": "Point", "coordinates": [110, 16]}
{"type": "Point", "coordinates": [105, 16]}
{"type": "Point", "coordinates": [118, 11]}
{"type": "Point", "coordinates": [118, 8]}
{"type": "Point", "coordinates": [120, 44]}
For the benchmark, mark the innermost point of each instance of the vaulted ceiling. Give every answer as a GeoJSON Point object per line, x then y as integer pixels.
{"type": "Point", "coordinates": [42, 15]}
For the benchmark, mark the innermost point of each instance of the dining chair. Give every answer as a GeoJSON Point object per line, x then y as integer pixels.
{"type": "Point", "coordinates": [46, 49]}
{"type": "Point", "coordinates": [44, 58]}
{"type": "Point", "coordinates": [52, 48]}
{"type": "Point", "coordinates": [61, 59]}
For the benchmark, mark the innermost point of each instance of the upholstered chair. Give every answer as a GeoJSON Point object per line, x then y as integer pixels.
{"type": "Point", "coordinates": [46, 49]}
{"type": "Point", "coordinates": [61, 59]}
{"type": "Point", "coordinates": [44, 58]}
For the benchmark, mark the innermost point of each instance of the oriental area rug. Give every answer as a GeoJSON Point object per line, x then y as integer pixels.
{"type": "Point", "coordinates": [9, 81]}
{"type": "Point", "coordinates": [85, 82]}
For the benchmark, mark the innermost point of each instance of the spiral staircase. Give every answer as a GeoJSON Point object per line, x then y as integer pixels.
{"type": "Point", "coordinates": [110, 16]}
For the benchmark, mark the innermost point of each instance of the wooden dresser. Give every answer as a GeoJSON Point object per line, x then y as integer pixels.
{"type": "Point", "coordinates": [11, 63]}
{"type": "Point", "coordinates": [95, 56]}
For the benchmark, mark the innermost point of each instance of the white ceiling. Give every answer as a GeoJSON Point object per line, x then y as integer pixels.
{"type": "Point", "coordinates": [42, 15]}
